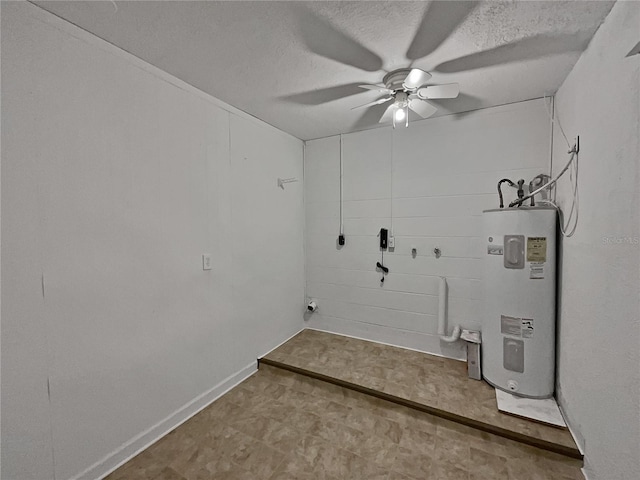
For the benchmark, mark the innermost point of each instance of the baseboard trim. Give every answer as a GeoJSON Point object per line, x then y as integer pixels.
{"type": "Point", "coordinates": [486, 427]}
{"type": "Point", "coordinates": [420, 342]}
{"type": "Point", "coordinates": [140, 442]}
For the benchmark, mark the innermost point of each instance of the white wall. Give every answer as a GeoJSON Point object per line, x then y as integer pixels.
{"type": "Point", "coordinates": [445, 172]}
{"type": "Point", "coordinates": [599, 320]}
{"type": "Point", "coordinates": [116, 178]}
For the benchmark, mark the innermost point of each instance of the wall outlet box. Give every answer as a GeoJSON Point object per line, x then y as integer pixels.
{"type": "Point", "coordinates": [392, 242]}
{"type": "Point", "coordinates": [206, 261]}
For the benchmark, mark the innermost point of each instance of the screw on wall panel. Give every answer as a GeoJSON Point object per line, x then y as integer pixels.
{"type": "Point", "coordinates": [437, 252]}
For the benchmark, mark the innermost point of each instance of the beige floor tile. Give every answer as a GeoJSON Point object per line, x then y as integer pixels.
{"type": "Point", "coordinates": [447, 472]}
{"type": "Point", "coordinates": [432, 381]}
{"type": "Point", "coordinates": [413, 464]}
{"type": "Point", "coordinates": [301, 420]}
{"type": "Point", "coordinates": [168, 446]}
{"type": "Point", "coordinates": [201, 463]}
{"type": "Point", "coordinates": [452, 452]}
{"type": "Point", "coordinates": [169, 474]}
{"type": "Point", "coordinates": [141, 467]}
{"type": "Point", "coordinates": [416, 439]}
{"type": "Point", "coordinates": [258, 458]}
{"type": "Point", "coordinates": [487, 465]}
{"type": "Point", "coordinates": [284, 426]}
{"type": "Point", "coordinates": [368, 422]}
{"type": "Point", "coordinates": [336, 434]}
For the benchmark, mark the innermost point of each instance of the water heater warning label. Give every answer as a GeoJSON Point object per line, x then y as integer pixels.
{"type": "Point", "coordinates": [511, 326]}
{"type": "Point", "coordinates": [536, 249]}
{"type": "Point", "coordinates": [536, 271]}
{"type": "Point", "coordinates": [516, 327]}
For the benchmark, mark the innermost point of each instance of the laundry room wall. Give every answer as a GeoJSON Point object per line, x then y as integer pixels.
{"type": "Point", "coordinates": [428, 184]}
{"type": "Point", "coordinates": [598, 383]}
{"type": "Point", "coordinates": [116, 178]}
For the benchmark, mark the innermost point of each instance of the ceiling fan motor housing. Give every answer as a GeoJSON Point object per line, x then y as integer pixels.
{"type": "Point", "coordinates": [394, 80]}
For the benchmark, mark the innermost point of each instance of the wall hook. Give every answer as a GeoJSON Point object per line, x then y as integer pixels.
{"type": "Point", "coordinates": [282, 181]}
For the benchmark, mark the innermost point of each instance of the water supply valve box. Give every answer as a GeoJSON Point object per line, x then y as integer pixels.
{"type": "Point", "coordinates": [473, 353]}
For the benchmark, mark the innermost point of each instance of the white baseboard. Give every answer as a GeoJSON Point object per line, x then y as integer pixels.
{"type": "Point", "coordinates": [576, 438]}
{"type": "Point", "coordinates": [145, 439]}
{"type": "Point", "coordinates": [420, 342]}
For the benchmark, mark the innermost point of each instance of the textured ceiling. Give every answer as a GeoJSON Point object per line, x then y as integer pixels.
{"type": "Point", "coordinates": [296, 65]}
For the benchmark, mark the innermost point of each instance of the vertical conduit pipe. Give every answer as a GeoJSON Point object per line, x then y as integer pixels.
{"type": "Point", "coordinates": [442, 315]}
{"type": "Point", "coordinates": [442, 307]}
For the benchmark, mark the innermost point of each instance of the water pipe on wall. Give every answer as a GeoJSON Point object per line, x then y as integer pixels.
{"type": "Point", "coordinates": [442, 315]}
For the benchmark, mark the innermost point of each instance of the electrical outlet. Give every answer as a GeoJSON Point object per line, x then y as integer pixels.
{"type": "Point", "coordinates": [392, 242]}
{"type": "Point", "coordinates": [206, 261]}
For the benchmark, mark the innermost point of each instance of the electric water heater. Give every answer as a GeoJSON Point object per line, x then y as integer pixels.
{"type": "Point", "coordinates": [519, 295]}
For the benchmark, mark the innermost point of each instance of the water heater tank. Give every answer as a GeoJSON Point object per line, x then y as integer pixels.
{"type": "Point", "coordinates": [519, 296]}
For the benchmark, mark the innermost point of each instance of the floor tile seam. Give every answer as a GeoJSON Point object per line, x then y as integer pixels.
{"type": "Point", "coordinates": [303, 433]}
{"type": "Point", "coordinates": [276, 470]}
{"type": "Point", "coordinates": [328, 443]}
{"type": "Point", "coordinates": [300, 363]}
{"type": "Point", "coordinates": [393, 351]}
{"type": "Point", "coordinates": [263, 444]}
{"type": "Point", "coordinates": [261, 440]}
{"type": "Point", "coordinates": [333, 446]}
{"type": "Point", "coordinates": [340, 447]}
{"type": "Point", "coordinates": [472, 423]}
{"type": "Point", "coordinates": [385, 347]}
{"type": "Point", "coordinates": [367, 431]}
{"type": "Point", "coordinates": [360, 409]}
{"type": "Point", "coordinates": [411, 399]}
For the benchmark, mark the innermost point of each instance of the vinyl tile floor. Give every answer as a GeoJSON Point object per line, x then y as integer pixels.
{"type": "Point", "coordinates": [278, 425]}
{"type": "Point", "coordinates": [435, 382]}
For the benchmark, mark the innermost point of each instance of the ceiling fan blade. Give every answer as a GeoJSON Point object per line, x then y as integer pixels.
{"type": "Point", "coordinates": [378, 88]}
{"type": "Point", "coordinates": [529, 48]}
{"type": "Point", "coordinates": [415, 79]}
{"type": "Point", "coordinates": [440, 19]}
{"type": "Point", "coordinates": [327, 41]}
{"type": "Point", "coordinates": [422, 107]}
{"type": "Point", "coordinates": [376, 102]}
{"type": "Point", "coordinates": [449, 90]}
{"type": "Point", "coordinates": [388, 114]}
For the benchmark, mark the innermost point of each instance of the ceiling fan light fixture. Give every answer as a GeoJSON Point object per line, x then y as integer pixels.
{"type": "Point", "coordinates": [401, 109]}
{"type": "Point", "coordinates": [408, 89]}
{"type": "Point", "coordinates": [400, 116]}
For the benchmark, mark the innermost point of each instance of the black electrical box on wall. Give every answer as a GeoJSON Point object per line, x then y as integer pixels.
{"type": "Point", "coordinates": [384, 234]}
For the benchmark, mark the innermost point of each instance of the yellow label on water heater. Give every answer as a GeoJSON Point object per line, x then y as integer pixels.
{"type": "Point", "coordinates": [536, 249]}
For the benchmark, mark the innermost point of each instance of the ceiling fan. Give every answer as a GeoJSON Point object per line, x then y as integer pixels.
{"type": "Point", "coordinates": [408, 89]}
